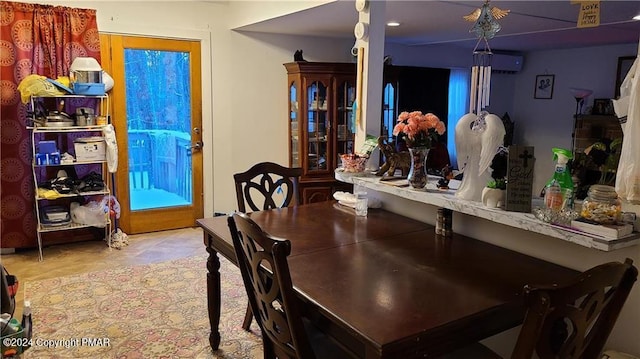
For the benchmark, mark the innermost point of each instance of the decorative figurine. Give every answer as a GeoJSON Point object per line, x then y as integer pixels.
{"type": "Point", "coordinates": [485, 25]}
{"type": "Point", "coordinates": [447, 175]}
{"type": "Point", "coordinates": [478, 138]}
{"type": "Point", "coordinates": [393, 160]}
{"type": "Point", "coordinates": [297, 56]}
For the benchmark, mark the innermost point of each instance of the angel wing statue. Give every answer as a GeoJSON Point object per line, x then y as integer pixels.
{"type": "Point", "coordinates": [478, 138]}
{"type": "Point", "coordinates": [485, 18]}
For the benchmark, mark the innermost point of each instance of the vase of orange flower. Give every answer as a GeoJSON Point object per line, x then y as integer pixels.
{"type": "Point", "coordinates": [419, 132]}
{"type": "Point", "coordinates": [417, 176]}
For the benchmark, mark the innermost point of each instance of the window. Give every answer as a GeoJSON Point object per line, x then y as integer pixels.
{"type": "Point", "coordinates": [458, 103]}
{"type": "Point", "coordinates": [388, 110]}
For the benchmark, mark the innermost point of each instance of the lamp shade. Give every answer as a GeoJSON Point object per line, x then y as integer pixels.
{"type": "Point", "coordinates": [580, 93]}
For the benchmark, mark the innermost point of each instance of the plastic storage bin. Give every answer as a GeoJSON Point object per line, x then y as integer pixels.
{"type": "Point", "coordinates": [90, 148]}
{"type": "Point", "coordinates": [87, 88]}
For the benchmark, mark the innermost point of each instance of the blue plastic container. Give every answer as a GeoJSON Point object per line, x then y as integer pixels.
{"type": "Point", "coordinates": [86, 88]}
{"type": "Point", "coordinates": [47, 147]}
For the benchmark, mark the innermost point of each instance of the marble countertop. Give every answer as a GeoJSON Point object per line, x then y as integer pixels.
{"type": "Point", "coordinates": [446, 199]}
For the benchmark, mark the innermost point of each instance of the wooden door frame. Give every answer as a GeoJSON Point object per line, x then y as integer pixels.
{"type": "Point", "coordinates": [153, 219]}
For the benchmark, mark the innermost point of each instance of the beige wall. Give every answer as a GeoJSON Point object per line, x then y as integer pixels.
{"type": "Point", "coordinates": [258, 104]}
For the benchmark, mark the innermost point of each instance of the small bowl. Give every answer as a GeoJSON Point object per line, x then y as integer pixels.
{"type": "Point", "coordinates": [353, 163]}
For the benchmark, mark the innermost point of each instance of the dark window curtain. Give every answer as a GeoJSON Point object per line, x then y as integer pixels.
{"type": "Point", "coordinates": [34, 39]}
{"type": "Point", "coordinates": [424, 89]}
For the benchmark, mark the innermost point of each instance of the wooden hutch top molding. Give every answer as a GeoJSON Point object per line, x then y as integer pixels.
{"type": "Point", "coordinates": [334, 68]}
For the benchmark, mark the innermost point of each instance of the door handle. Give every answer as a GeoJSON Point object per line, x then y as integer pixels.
{"type": "Point", "coordinates": [197, 146]}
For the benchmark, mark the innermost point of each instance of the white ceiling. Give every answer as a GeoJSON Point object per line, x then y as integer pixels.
{"type": "Point", "coordinates": [531, 25]}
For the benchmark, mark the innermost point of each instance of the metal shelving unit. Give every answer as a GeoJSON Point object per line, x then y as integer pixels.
{"type": "Point", "coordinates": [40, 171]}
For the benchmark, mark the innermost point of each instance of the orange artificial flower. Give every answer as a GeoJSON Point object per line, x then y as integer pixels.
{"type": "Point", "coordinates": [418, 130]}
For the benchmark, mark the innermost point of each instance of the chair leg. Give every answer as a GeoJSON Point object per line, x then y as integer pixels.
{"type": "Point", "coordinates": [248, 317]}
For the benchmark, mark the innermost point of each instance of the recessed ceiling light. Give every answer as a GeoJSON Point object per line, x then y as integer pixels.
{"type": "Point", "coordinates": [393, 23]}
{"type": "Point", "coordinates": [637, 17]}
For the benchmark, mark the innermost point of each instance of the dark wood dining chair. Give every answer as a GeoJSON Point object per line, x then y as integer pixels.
{"type": "Point", "coordinates": [264, 183]}
{"type": "Point", "coordinates": [571, 321]}
{"type": "Point", "coordinates": [262, 259]}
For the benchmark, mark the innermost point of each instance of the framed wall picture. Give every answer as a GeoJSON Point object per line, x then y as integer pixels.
{"type": "Point", "coordinates": [544, 87]}
{"type": "Point", "coordinates": [624, 64]}
{"type": "Point", "coordinates": [602, 106]}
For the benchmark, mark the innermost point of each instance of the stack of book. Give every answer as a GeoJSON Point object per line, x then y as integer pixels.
{"type": "Point", "coordinates": [607, 231]}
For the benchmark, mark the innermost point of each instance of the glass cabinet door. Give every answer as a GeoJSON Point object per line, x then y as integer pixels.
{"type": "Point", "coordinates": [293, 123]}
{"type": "Point", "coordinates": [317, 126]}
{"type": "Point", "coordinates": [345, 123]}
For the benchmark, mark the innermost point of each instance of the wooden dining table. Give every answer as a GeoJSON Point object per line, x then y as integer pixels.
{"type": "Point", "coordinates": [386, 286]}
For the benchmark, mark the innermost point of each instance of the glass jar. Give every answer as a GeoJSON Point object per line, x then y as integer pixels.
{"type": "Point", "coordinates": [602, 205]}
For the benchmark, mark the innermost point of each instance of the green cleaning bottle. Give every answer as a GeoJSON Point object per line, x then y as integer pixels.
{"type": "Point", "coordinates": [559, 190]}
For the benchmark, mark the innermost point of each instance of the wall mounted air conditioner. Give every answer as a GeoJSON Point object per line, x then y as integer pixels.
{"type": "Point", "coordinates": [510, 63]}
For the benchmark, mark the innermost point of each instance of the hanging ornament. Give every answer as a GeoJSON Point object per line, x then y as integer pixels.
{"type": "Point", "coordinates": [480, 81]}
{"type": "Point", "coordinates": [485, 27]}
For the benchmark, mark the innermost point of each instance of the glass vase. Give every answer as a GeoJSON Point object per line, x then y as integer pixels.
{"type": "Point", "coordinates": [418, 172]}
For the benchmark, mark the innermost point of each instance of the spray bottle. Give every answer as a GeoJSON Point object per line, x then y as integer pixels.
{"type": "Point", "coordinates": [559, 189]}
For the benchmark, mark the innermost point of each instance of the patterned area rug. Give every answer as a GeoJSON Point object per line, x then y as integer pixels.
{"type": "Point", "coordinates": [147, 311]}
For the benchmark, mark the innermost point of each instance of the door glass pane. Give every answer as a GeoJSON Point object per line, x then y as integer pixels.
{"type": "Point", "coordinates": [317, 126]}
{"type": "Point", "coordinates": [293, 111]}
{"type": "Point", "coordinates": [159, 128]}
{"type": "Point", "coordinates": [345, 136]}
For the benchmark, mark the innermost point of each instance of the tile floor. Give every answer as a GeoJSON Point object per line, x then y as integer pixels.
{"type": "Point", "coordinates": [67, 259]}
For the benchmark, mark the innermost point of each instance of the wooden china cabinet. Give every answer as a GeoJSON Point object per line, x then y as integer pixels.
{"type": "Point", "coordinates": [321, 97]}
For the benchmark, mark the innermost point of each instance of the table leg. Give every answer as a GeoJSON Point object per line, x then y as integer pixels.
{"type": "Point", "coordinates": [213, 296]}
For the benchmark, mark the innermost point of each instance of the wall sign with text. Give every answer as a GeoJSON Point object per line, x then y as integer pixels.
{"type": "Point", "coordinates": [589, 15]}
{"type": "Point", "coordinates": [519, 178]}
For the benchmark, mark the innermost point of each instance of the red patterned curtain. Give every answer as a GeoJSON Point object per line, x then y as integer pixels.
{"type": "Point", "coordinates": [34, 39]}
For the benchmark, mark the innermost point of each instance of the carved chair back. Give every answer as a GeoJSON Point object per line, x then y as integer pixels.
{"type": "Point", "coordinates": [262, 259]}
{"type": "Point", "coordinates": [266, 183]}
{"type": "Point", "coordinates": [575, 320]}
